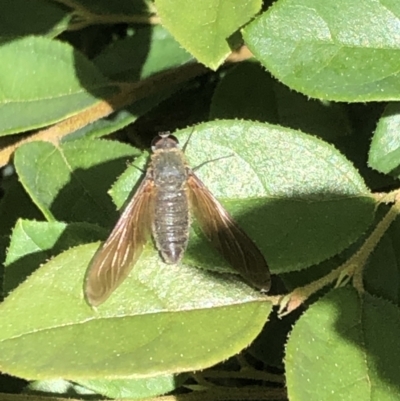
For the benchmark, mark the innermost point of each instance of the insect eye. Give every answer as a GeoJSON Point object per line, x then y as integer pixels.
{"type": "Point", "coordinates": [164, 140]}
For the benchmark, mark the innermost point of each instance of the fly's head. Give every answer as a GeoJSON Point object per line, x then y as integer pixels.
{"type": "Point", "coordinates": [164, 141]}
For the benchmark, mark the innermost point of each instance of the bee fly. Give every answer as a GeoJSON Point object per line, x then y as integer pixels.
{"type": "Point", "coordinates": [161, 208]}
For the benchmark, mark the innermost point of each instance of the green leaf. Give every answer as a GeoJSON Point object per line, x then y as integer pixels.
{"type": "Point", "coordinates": [135, 388]}
{"type": "Point", "coordinates": [56, 386]}
{"type": "Point", "coordinates": [118, 388]}
{"type": "Point", "coordinates": [44, 81]}
{"type": "Point", "coordinates": [344, 50]}
{"type": "Point", "coordinates": [248, 91]}
{"type": "Point", "coordinates": [204, 27]}
{"type": "Point", "coordinates": [70, 182]}
{"type": "Point", "coordinates": [162, 320]}
{"type": "Point", "coordinates": [20, 18]}
{"type": "Point", "coordinates": [34, 242]}
{"type": "Point", "coordinates": [296, 196]}
{"type": "Point", "coordinates": [384, 154]}
{"type": "Point", "coordinates": [344, 348]}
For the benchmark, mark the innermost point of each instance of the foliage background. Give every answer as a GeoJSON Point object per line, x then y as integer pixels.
{"type": "Point", "coordinates": [303, 95]}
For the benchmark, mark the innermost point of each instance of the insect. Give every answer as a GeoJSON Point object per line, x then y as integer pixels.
{"type": "Point", "coordinates": [161, 207]}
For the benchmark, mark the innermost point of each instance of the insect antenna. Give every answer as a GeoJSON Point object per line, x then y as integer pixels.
{"type": "Point", "coordinates": [210, 161]}
{"type": "Point", "coordinates": [187, 140]}
{"type": "Point", "coordinates": [207, 161]}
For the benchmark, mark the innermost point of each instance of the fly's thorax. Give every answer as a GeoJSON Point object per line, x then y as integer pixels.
{"type": "Point", "coordinates": [169, 169]}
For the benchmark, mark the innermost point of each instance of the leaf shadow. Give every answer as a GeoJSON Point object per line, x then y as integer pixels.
{"type": "Point", "coordinates": [141, 43]}
{"type": "Point", "coordinates": [85, 197]}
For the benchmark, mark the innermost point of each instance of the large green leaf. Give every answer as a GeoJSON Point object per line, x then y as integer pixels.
{"type": "Point", "coordinates": [345, 347]}
{"type": "Point", "coordinates": [163, 319]}
{"type": "Point", "coordinates": [204, 27]}
{"type": "Point", "coordinates": [44, 81]}
{"type": "Point", "coordinates": [296, 196]}
{"type": "Point", "coordinates": [342, 50]}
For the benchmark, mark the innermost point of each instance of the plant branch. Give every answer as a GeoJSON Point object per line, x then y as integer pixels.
{"type": "Point", "coordinates": [85, 17]}
{"type": "Point", "coordinates": [214, 394]}
{"type": "Point", "coordinates": [248, 374]}
{"type": "Point", "coordinates": [351, 268]}
{"type": "Point", "coordinates": [129, 93]}
{"type": "Point", "coordinates": [97, 19]}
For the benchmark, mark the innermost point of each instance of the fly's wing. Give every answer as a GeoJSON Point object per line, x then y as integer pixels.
{"type": "Point", "coordinates": [224, 233]}
{"type": "Point", "coordinates": [116, 257]}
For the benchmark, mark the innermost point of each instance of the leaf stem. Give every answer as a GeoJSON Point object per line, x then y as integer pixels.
{"type": "Point", "coordinates": [352, 268]}
{"type": "Point", "coordinates": [248, 374]}
{"type": "Point", "coordinates": [88, 19]}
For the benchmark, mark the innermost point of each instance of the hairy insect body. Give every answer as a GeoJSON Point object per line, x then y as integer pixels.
{"type": "Point", "coordinates": [171, 222]}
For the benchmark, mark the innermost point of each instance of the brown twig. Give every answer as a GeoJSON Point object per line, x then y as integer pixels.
{"type": "Point", "coordinates": [85, 17]}
{"type": "Point", "coordinates": [129, 93]}
{"type": "Point", "coordinates": [352, 268]}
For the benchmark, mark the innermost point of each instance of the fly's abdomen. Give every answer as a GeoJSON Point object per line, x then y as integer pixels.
{"type": "Point", "coordinates": [171, 223]}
